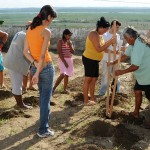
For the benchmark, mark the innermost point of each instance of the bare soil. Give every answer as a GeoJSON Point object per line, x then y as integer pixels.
{"type": "Point", "coordinates": [77, 127]}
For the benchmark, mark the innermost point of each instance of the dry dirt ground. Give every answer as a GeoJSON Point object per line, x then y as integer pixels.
{"type": "Point", "coordinates": [77, 127]}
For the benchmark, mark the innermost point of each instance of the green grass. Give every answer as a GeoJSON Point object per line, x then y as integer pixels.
{"type": "Point", "coordinates": [3, 121]}
{"type": "Point", "coordinates": [80, 17]}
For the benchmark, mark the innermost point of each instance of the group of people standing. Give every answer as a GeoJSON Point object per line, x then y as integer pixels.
{"type": "Point", "coordinates": [98, 43]}
{"type": "Point", "coordinates": [30, 50]}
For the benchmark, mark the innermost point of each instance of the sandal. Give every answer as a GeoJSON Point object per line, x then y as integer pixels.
{"type": "Point", "coordinates": [90, 103]}
{"type": "Point", "coordinates": [32, 89]}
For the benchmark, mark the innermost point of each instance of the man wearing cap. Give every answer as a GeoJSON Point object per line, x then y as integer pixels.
{"type": "Point", "coordinates": [17, 66]}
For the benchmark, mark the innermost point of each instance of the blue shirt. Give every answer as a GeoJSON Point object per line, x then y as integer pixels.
{"type": "Point", "coordinates": [140, 56]}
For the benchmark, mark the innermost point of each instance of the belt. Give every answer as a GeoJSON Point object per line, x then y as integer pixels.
{"type": "Point", "coordinates": [45, 64]}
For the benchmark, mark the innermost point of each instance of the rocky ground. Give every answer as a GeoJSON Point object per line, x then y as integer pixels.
{"type": "Point", "coordinates": [77, 127]}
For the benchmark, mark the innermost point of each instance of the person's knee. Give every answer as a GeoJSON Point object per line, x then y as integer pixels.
{"type": "Point", "coordinates": [62, 75]}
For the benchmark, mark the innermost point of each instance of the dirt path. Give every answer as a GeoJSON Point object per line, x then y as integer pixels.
{"type": "Point", "coordinates": [77, 127]}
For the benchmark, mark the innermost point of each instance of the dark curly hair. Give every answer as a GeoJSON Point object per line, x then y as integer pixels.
{"type": "Point", "coordinates": [102, 23]}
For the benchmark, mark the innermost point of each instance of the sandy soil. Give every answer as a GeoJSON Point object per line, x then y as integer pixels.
{"type": "Point", "coordinates": [77, 127]}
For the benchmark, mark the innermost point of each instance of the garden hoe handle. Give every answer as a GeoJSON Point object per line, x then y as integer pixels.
{"type": "Point", "coordinates": [114, 58]}
{"type": "Point", "coordinates": [108, 82]}
{"type": "Point", "coordinates": [116, 79]}
{"type": "Point", "coordinates": [114, 88]}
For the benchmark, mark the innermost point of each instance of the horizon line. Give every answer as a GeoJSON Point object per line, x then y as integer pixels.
{"type": "Point", "coordinates": [85, 7]}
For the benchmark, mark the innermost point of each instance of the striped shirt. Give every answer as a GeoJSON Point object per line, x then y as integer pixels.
{"type": "Point", "coordinates": [66, 51]}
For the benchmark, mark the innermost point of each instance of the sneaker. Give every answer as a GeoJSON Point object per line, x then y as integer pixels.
{"type": "Point", "coordinates": [46, 134]}
{"type": "Point", "coordinates": [51, 133]}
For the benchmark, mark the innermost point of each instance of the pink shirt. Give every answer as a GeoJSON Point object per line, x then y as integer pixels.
{"type": "Point", "coordinates": [66, 52]}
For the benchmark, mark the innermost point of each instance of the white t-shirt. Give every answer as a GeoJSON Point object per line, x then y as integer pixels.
{"type": "Point", "coordinates": [107, 36]}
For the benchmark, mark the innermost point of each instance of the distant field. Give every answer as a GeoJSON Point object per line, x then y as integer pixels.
{"type": "Point", "coordinates": [81, 17]}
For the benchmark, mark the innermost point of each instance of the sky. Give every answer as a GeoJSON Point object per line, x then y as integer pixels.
{"type": "Point", "coordinates": [74, 3]}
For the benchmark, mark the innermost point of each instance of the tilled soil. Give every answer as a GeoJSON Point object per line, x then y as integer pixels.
{"type": "Point", "coordinates": [77, 127]}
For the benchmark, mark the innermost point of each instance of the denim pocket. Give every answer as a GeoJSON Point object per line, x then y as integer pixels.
{"type": "Point", "coordinates": [47, 74]}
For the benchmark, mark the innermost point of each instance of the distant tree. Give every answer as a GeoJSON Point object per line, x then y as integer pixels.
{"type": "Point", "coordinates": [1, 22]}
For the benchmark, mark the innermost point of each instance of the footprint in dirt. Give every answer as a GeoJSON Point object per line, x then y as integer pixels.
{"type": "Point", "coordinates": [13, 114]}
{"type": "Point", "coordinates": [77, 100]}
{"type": "Point", "coordinates": [34, 101]}
{"type": "Point", "coordinates": [4, 93]}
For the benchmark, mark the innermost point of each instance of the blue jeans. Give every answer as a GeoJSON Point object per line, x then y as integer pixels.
{"type": "Point", "coordinates": [1, 62]}
{"type": "Point", "coordinates": [45, 86]}
{"type": "Point", "coordinates": [103, 86]}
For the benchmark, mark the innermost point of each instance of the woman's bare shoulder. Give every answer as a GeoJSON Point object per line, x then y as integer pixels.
{"type": "Point", "coordinates": [92, 34]}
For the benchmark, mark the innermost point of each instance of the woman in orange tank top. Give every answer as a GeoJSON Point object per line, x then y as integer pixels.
{"type": "Point", "coordinates": [37, 42]}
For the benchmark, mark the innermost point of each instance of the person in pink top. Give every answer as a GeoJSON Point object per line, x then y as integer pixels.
{"type": "Point", "coordinates": [65, 50]}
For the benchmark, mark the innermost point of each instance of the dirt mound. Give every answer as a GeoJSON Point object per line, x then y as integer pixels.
{"type": "Point", "coordinates": [13, 114]}
{"type": "Point", "coordinates": [78, 97]}
{"type": "Point", "coordinates": [120, 136]}
{"type": "Point", "coordinates": [85, 147]}
{"type": "Point", "coordinates": [124, 138]}
{"type": "Point", "coordinates": [76, 84]}
{"type": "Point", "coordinates": [32, 100]}
{"type": "Point", "coordinates": [5, 94]}
{"type": "Point", "coordinates": [77, 62]}
{"type": "Point", "coordinates": [96, 128]}
{"type": "Point", "coordinates": [70, 103]}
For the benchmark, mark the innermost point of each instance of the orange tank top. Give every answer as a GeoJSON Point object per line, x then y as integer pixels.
{"type": "Point", "coordinates": [35, 41]}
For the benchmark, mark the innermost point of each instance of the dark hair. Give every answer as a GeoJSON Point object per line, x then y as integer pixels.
{"type": "Point", "coordinates": [43, 15]}
{"type": "Point", "coordinates": [131, 32]}
{"type": "Point", "coordinates": [66, 32]}
{"type": "Point", "coordinates": [102, 23]}
{"type": "Point", "coordinates": [27, 26]}
{"type": "Point", "coordinates": [117, 23]}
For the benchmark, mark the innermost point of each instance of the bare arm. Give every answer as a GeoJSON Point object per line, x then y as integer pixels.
{"type": "Point", "coordinates": [39, 65]}
{"type": "Point", "coordinates": [46, 36]}
{"type": "Point", "coordinates": [3, 38]}
{"type": "Point", "coordinates": [132, 68]}
{"type": "Point", "coordinates": [59, 49]}
{"type": "Point", "coordinates": [123, 58]}
{"type": "Point", "coordinates": [71, 46]}
{"type": "Point", "coordinates": [26, 51]}
{"type": "Point", "coordinates": [94, 37]}
{"type": "Point", "coordinates": [106, 51]}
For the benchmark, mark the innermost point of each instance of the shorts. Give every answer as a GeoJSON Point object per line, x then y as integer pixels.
{"type": "Point", "coordinates": [16, 81]}
{"type": "Point", "coordinates": [67, 71]}
{"type": "Point", "coordinates": [91, 67]}
{"type": "Point", "coordinates": [1, 62]}
{"type": "Point", "coordinates": [145, 88]}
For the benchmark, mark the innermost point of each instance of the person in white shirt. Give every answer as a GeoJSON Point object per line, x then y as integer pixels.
{"type": "Point", "coordinates": [107, 36]}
